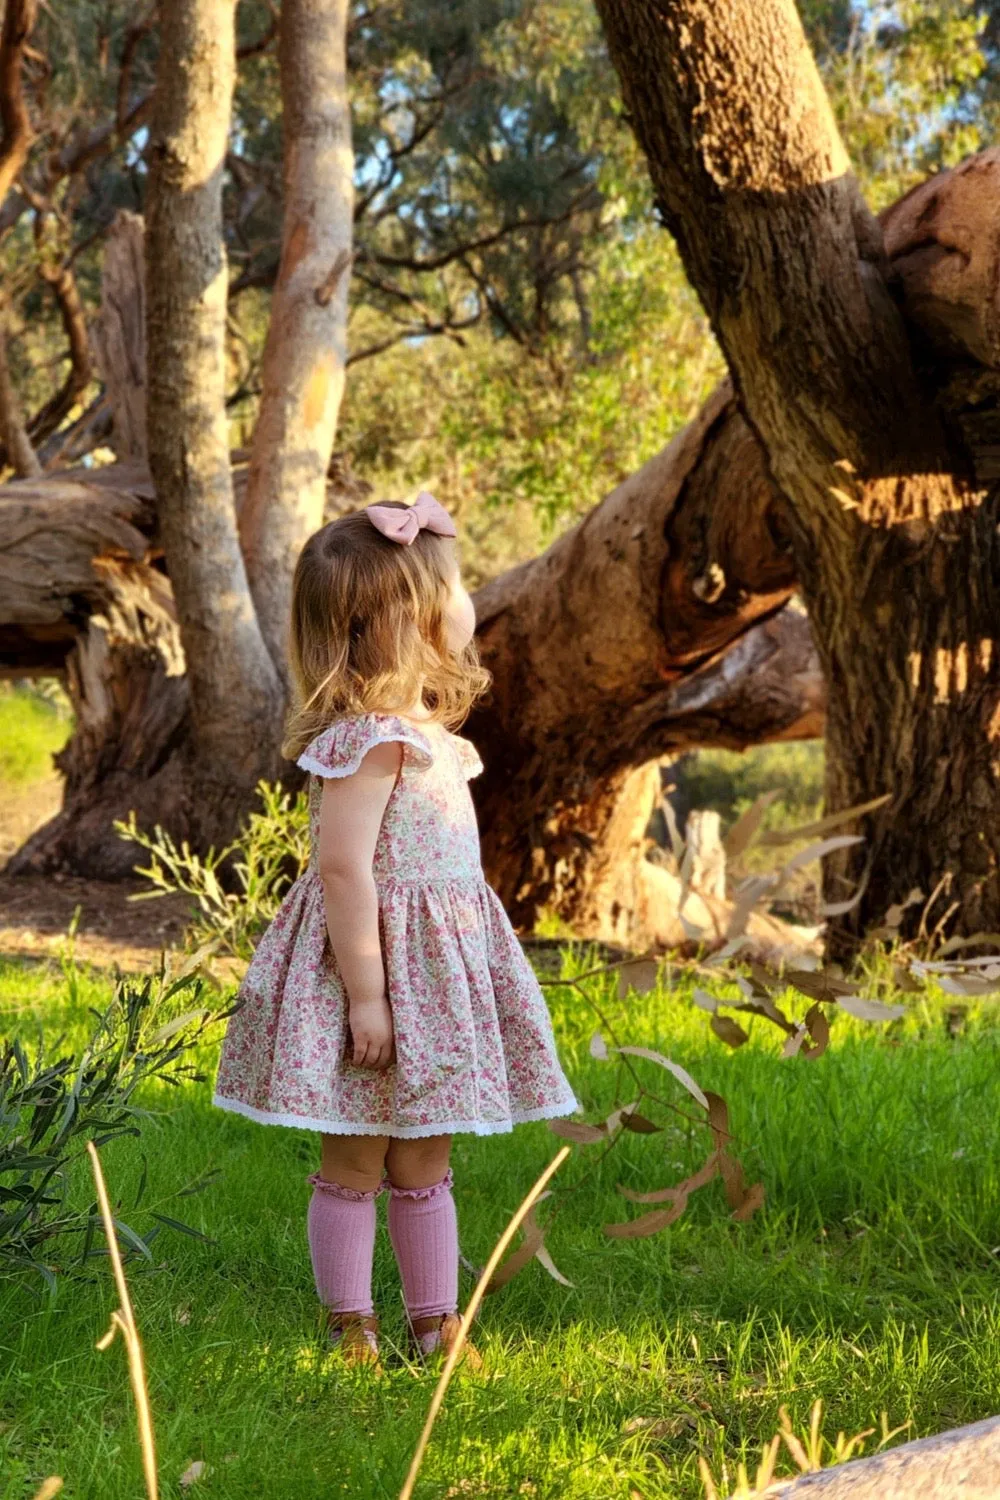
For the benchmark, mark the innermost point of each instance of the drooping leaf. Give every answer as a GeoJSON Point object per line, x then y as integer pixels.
{"type": "Point", "coordinates": [818, 1027]}
{"type": "Point", "coordinates": [819, 986]}
{"type": "Point", "coordinates": [750, 893]}
{"type": "Point", "coordinates": [822, 826]}
{"type": "Point", "coordinates": [793, 1045]}
{"type": "Point", "coordinates": [525, 1252]}
{"type": "Point", "coordinates": [820, 851]}
{"type": "Point", "coordinates": [977, 940]}
{"type": "Point", "coordinates": [544, 1259]}
{"type": "Point", "coordinates": [745, 829]}
{"type": "Point", "coordinates": [182, 1228]}
{"type": "Point", "coordinates": [647, 1224]}
{"type": "Point", "coordinates": [640, 975]}
{"type": "Point", "coordinates": [681, 1074]}
{"type": "Point", "coordinates": [729, 1031]}
{"type": "Point", "coordinates": [180, 1023]}
{"type": "Point", "coordinates": [639, 1124]}
{"type": "Point", "coordinates": [870, 1010]}
{"type": "Point", "coordinates": [705, 1173]}
{"type": "Point", "coordinates": [578, 1131]}
{"type": "Point", "coordinates": [704, 1000]}
{"type": "Point", "coordinates": [598, 1047]}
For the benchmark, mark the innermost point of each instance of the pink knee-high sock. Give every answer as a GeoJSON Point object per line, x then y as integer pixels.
{"type": "Point", "coordinates": [424, 1234]}
{"type": "Point", "coordinates": [342, 1245]}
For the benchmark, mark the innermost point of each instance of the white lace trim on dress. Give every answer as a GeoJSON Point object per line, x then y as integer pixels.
{"type": "Point", "coordinates": [398, 1132]}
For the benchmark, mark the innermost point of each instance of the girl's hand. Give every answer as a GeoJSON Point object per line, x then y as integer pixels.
{"type": "Point", "coordinates": [371, 1033]}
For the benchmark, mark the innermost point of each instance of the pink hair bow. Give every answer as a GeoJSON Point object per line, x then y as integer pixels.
{"type": "Point", "coordinates": [404, 526]}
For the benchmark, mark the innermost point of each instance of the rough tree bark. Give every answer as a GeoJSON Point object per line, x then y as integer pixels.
{"type": "Point", "coordinates": [15, 143]}
{"type": "Point", "coordinates": [306, 352]}
{"type": "Point", "coordinates": [17, 444]}
{"type": "Point", "coordinates": [884, 443]}
{"type": "Point", "coordinates": [657, 623]}
{"type": "Point", "coordinates": [235, 688]}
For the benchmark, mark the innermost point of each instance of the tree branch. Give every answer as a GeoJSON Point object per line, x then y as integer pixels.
{"type": "Point", "coordinates": [18, 23]}
{"type": "Point", "coordinates": [19, 451]}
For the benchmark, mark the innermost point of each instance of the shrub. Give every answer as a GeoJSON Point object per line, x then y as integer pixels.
{"type": "Point", "coordinates": [52, 1104]}
{"type": "Point", "coordinates": [271, 852]}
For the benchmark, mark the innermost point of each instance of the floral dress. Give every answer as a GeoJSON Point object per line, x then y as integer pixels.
{"type": "Point", "coordinates": [474, 1045]}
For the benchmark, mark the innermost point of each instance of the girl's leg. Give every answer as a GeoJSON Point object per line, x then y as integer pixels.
{"type": "Point", "coordinates": [424, 1233]}
{"type": "Point", "coordinates": [342, 1225]}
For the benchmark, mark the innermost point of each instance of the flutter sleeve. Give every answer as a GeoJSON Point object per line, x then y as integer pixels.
{"type": "Point", "coordinates": [469, 757]}
{"type": "Point", "coordinates": [339, 750]}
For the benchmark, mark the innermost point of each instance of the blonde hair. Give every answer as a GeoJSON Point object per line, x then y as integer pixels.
{"type": "Point", "coordinates": [368, 630]}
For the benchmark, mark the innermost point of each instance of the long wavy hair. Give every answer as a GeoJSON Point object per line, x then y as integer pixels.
{"type": "Point", "coordinates": [368, 630]}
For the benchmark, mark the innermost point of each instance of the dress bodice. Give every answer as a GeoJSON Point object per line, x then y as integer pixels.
{"type": "Point", "coordinates": [429, 833]}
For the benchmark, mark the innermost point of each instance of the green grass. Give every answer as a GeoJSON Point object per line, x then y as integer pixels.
{"type": "Point", "coordinates": [869, 1279]}
{"type": "Point", "coordinates": [34, 725]}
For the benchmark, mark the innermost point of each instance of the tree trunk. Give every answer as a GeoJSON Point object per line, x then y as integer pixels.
{"type": "Point", "coordinates": [306, 351]}
{"type": "Point", "coordinates": [15, 143]}
{"type": "Point", "coordinates": [13, 434]}
{"type": "Point", "coordinates": [879, 438]}
{"type": "Point", "coordinates": [657, 623]}
{"type": "Point", "coordinates": [727, 666]}
{"type": "Point", "coordinates": [236, 694]}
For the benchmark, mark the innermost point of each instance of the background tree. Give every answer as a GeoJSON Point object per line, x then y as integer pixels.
{"type": "Point", "coordinates": [520, 334]}
{"type": "Point", "coordinates": [884, 454]}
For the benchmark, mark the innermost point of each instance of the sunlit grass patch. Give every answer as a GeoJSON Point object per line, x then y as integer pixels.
{"type": "Point", "coordinates": [868, 1279]}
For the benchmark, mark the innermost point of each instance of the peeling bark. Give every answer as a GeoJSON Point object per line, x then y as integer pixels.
{"type": "Point", "coordinates": [892, 518]}
{"type": "Point", "coordinates": [306, 351]}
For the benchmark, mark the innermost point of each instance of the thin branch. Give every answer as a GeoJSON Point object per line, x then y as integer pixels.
{"type": "Point", "coordinates": [18, 133]}
{"type": "Point", "coordinates": [123, 1321]}
{"type": "Point", "coordinates": [130, 46]}
{"type": "Point", "coordinates": [74, 320]}
{"type": "Point", "coordinates": [20, 452]}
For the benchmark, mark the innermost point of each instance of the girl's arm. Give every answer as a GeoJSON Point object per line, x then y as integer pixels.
{"type": "Point", "coordinates": [349, 821]}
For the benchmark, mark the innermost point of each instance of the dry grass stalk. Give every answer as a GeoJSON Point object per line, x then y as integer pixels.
{"type": "Point", "coordinates": [455, 1355]}
{"type": "Point", "coordinates": [123, 1322]}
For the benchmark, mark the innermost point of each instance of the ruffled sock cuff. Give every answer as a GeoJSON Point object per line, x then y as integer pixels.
{"type": "Point", "coordinates": [434, 1191]}
{"type": "Point", "coordinates": [350, 1194]}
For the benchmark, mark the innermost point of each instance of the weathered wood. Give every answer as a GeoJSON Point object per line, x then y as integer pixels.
{"type": "Point", "coordinates": [963, 1464]}
{"type": "Point", "coordinates": [54, 532]}
{"type": "Point", "coordinates": [119, 335]}
{"type": "Point", "coordinates": [15, 142]}
{"type": "Point", "coordinates": [864, 421]}
{"type": "Point", "coordinates": [20, 452]}
{"type": "Point", "coordinates": [306, 352]}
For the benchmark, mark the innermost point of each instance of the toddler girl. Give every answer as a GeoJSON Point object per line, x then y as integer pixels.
{"type": "Point", "coordinates": [389, 1004]}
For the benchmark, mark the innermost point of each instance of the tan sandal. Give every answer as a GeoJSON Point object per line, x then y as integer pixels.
{"type": "Point", "coordinates": [438, 1335]}
{"type": "Point", "coordinates": [355, 1337]}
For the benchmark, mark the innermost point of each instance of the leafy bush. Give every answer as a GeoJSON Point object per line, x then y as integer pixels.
{"type": "Point", "coordinates": [271, 852]}
{"type": "Point", "coordinates": [729, 781]}
{"type": "Point", "coordinates": [52, 1104]}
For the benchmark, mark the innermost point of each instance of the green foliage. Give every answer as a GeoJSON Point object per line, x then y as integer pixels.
{"type": "Point", "coordinates": [271, 852]}
{"type": "Point", "coordinates": [52, 1101]}
{"type": "Point", "coordinates": [729, 781]}
{"type": "Point", "coordinates": [35, 724]}
{"type": "Point", "coordinates": [868, 1279]}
